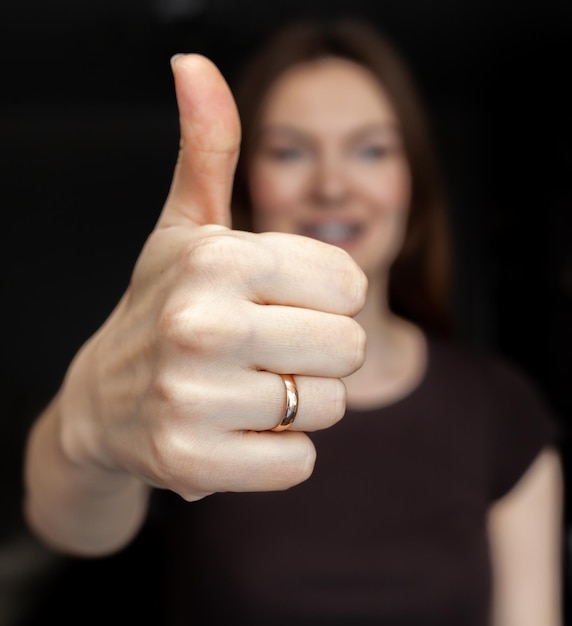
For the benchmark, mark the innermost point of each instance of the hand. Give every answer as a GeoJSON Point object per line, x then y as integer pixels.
{"type": "Point", "coordinates": [179, 387]}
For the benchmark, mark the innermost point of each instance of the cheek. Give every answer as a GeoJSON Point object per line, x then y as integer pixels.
{"type": "Point", "coordinates": [274, 195]}
{"type": "Point", "coordinates": [392, 190]}
{"type": "Point", "coordinates": [391, 196]}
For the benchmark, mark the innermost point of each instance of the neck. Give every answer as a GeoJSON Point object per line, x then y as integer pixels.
{"type": "Point", "coordinates": [395, 359]}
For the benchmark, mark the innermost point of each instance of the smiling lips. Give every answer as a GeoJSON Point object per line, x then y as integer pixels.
{"type": "Point", "coordinates": [336, 233]}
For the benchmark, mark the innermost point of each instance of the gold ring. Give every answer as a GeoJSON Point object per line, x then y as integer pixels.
{"type": "Point", "coordinates": [291, 403]}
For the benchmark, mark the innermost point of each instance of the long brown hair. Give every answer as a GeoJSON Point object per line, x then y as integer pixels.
{"type": "Point", "coordinates": [420, 278]}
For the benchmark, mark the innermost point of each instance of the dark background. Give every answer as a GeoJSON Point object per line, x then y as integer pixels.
{"type": "Point", "coordinates": [88, 141]}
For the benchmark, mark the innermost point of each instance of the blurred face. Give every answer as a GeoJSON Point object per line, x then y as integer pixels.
{"type": "Point", "coordinates": [329, 162]}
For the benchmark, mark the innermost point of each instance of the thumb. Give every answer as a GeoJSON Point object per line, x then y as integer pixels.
{"type": "Point", "coordinates": [210, 140]}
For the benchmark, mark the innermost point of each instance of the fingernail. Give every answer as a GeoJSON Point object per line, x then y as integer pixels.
{"type": "Point", "coordinates": [174, 58]}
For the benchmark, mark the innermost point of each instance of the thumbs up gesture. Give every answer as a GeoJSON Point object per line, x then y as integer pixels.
{"type": "Point", "coordinates": [210, 141]}
{"type": "Point", "coordinates": [180, 387]}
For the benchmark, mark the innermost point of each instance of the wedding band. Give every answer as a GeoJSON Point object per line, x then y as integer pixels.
{"type": "Point", "coordinates": [291, 403]}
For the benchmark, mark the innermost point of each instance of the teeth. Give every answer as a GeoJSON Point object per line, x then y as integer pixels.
{"type": "Point", "coordinates": [332, 231]}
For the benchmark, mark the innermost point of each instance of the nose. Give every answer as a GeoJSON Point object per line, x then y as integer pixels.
{"type": "Point", "coordinates": [330, 185]}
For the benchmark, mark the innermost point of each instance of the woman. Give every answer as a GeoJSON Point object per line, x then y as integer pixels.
{"type": "Point", "coordinates": [436, 500]}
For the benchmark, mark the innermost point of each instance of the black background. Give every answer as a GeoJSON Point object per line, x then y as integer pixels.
{"type": "Point", "coordinates": [88, 140]}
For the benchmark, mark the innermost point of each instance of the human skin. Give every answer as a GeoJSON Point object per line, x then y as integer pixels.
{"type": "Point", "coordinates": [179, 387]}
{"type": "Point", "coordinates": [329, 163]}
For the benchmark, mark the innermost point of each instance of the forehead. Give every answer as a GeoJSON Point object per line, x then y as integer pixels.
{"type": "Point", "coordinates": [327, 93]}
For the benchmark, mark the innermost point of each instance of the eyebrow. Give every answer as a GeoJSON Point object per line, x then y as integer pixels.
{"type": "Point", "coordinates": [385, 128]}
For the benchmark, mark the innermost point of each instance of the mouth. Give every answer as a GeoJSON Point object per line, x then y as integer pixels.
{"type": "Point", "coordinates": [333, 232]}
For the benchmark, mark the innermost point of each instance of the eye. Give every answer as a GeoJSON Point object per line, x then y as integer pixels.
{"type": "Point", "coordinates": [373, 152]}
{"type": "Point", "coordinates": [285, 153]}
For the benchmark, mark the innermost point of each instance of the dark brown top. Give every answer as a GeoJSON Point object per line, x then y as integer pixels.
{"type": "Point", "coordinates": [391, 527]}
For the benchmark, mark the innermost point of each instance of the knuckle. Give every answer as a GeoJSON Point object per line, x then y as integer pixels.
{"type": "Point", "coordinates": [355, 344]}
{"type": "Point", "coordinates": [337, 397]}
{"type": "Point", "coordinates": [307, 462]}
{"type": "Point", "coordinates": [214, 255]}
{"type": "Point", "coordinates": [323, 403]}
{"type": "Point", "coordinates": [296, 467]}
{"type": "Point", "coordinates": [353, 282]}
{"type": "Point", "coordinates": [355, 286]}
{"type": "Point", "coordinates": [180, 462]}
{"type": "Point", "coordinates": [360, 284]}
{"type": "Point", "coordinates": [216, 331]}
{"type": "Point", "coordinates": [205, 254]}
{"type": "Point", "coordinates": [204, 327]}
{"type": "Point", "coordinates": [163, 456]}
{"type": "Point", "coordinates": [170, 323]}
{"type": "Point", "coordinates": [163, 391]}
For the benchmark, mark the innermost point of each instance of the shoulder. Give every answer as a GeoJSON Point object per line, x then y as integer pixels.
{"type": "Point", "coordinates": [517, 416]}
{"type": "Point", "coordinates": [503, 379]}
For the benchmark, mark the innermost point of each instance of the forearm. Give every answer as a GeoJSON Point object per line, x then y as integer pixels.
{"type": "Point", "coordinates": [179, 388]}
{"type": "Point", "coordinates": [79, 509]}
